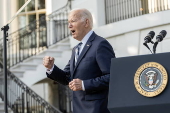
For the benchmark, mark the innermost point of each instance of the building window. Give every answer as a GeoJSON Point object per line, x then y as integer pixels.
{"type": "Point", "coordinates": [29, 35]}
{"type": "Point", "coordinates": [32, 12]}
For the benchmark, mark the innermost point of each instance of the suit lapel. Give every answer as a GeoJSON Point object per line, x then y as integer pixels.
{"type": "Point", "coordinates": [85, 49]}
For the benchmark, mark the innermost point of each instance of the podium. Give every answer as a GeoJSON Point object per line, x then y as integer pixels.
{"type": "Point", "coordinates": [123, 94]}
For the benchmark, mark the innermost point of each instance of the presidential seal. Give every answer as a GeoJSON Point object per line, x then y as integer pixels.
{"type": "Point", "coordinates": [150, 79]}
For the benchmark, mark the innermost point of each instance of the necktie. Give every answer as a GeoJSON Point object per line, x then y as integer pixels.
{"type": "Point", "coordinates": [77, 52]}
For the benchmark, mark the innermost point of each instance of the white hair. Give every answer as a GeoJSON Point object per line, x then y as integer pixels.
{"type": "Point", "coordinates": [85, 14]}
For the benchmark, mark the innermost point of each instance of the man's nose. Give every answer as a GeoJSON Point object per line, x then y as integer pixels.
{"type": "Point", "coordinates": [69, 25]}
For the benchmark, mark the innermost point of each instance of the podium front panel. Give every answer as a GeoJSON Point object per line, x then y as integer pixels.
{"type": "Point", "coordinates": [123, 96]}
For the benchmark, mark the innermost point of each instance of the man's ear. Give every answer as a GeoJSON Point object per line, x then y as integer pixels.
{"type": "Point", "coordinates": [87, 23]}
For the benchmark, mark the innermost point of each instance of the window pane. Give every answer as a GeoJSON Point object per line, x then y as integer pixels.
{"type": "Point", "coordinates": [41, 4]}
{"type": "Point", "coordinates": [32, 22]}
{"type": "Point", "coordinates": [31, 18]}
{"type": "Point", "coordinates": [31, 6]}
{"type": "Point", "coordinates": [42, 20]}
{"type": "Point", "coordinates": [22, 21]}
{"type": "Point", "coordinates": [42, 30]}
{"type": "Point", "coordinates": [20, 4]}
{"type": "Point", "coordinates": [32, 28]}
{"type": "Point", "coordinates": [41, 16]}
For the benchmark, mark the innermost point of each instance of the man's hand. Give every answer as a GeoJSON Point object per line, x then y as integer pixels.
{"type": "Point", "coordinates": [75, 84]}
{"type": "Point", "coordinates": [48, 62]}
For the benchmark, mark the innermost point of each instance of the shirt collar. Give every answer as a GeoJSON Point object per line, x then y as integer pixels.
{"type": "Point", "coordinates": [87, 36]}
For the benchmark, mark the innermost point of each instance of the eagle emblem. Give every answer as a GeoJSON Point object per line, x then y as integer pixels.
{"type": "Point", "coordinates": [151, 79]}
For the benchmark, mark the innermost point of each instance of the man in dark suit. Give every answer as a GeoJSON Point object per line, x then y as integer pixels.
{"type": "Point", "coordinates": [88, 70]}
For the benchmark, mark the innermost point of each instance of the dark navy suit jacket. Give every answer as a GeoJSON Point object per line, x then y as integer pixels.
{"type": "Point", "coordinates": [93, 67]}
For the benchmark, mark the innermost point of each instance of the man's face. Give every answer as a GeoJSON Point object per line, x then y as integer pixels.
{"type": "Point", "coordinates": [77, 26]}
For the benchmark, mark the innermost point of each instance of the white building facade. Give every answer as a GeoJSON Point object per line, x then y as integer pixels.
{"type": "Point", "coordinates": [124, 23]}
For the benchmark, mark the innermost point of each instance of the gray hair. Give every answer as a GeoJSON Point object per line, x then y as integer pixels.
{"type": "Point", "coordinates": [85, 14]}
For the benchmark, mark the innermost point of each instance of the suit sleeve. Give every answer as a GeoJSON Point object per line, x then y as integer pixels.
{"type": "Point", "coordinates": [61, 76]}
{"type": "Point", "coordinates": [104, 54]}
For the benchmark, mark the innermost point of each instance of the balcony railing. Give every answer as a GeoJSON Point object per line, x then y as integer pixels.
{"type": "Point", "coordinates": [58, 24]}
{"type": "Point", "coordinates": [117, 10]}
{"type": "Point", "coordinates": [21, 99]}
{"type": "Point", "coordinates": [25, 42]}
{"type": "Point", "coordinates": [33, 38]}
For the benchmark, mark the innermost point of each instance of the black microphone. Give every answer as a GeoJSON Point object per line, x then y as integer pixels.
{"type": "Point", "coordinates": [161, 35]}
{"type": "Point", "coordinates": [159, 38]}
{"type": "Point", "coordinates": [149, 37]}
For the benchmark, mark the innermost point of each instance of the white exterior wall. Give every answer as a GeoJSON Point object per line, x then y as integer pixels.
{"type": "Point", "coordinates": [126, 36]}
{"type": "Point", "coordinates": [53, 5]}
{"type": "Point", "coordinates": [137, 27]}
{"type": "Point", "coordinates": [5, 14]}
{"type": "Point", "coordinates": [7, 10]}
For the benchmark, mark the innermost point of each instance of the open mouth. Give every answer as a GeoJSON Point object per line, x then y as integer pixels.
{"type": "Point", "coordinates": [72, 31]}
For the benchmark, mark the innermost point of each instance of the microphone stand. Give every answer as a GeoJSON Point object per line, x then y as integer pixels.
{"type": "Point", "coordinates": [154, 47]}
{"type": "Point", "coordinates": [5, 35]}
{"type": "Point", "coordinates": [145, 44]}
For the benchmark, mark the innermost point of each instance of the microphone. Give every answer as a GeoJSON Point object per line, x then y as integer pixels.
{"type": "Point", "coordinates": [161, 35]}
{"type": "Point", "coordinates": [149, 37]}
{"type": "Point", "coordinates": [159, 38]}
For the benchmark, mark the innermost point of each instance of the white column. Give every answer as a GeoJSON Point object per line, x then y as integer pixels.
{"type": "Point", "coordinates": [13, 10]}
{"type": "Point", "coordinates": [100, 10]}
